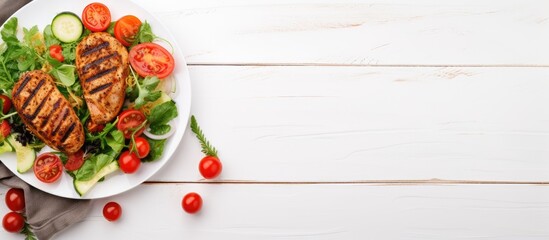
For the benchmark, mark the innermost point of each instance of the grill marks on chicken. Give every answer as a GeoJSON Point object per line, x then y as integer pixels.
{"type": "Point", "coordinates": [102, 64]}
{"type": "Point", "coordinates": [46, 112]}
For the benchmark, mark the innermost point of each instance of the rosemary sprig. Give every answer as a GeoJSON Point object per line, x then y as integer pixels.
{"type": "Point", "coordinates": [207, 148]}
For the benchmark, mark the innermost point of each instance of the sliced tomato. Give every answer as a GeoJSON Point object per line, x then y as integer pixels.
{"type": "Point", "coordinates": [5, 128]}
{"type": "Point", "coordinates": [56, 52]}
{"type": "Point", "coordinates": [94, 127]}
{"type": "Point", "coordinates": [129, 121]}
{"type": "Point", "coordinates": [48, 167]}
{"type": "Point", "coordinates": [76, 160]}
{"type": "Point", "coordinates": [96, 17]}
{"type": "Point", "coordinates": [126, 29]}
{"type": "Point", "coordinates": [151, 59]}
{"type": "Point", "coordinates": [6, 104]}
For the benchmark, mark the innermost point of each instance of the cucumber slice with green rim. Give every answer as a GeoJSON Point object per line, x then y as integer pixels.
{"type": "Point", "coordinates": [82, 187]}
{"type": "Point", "coordinates": [25, 155]}
{"type": "Point", "coordinates": [67, 27]}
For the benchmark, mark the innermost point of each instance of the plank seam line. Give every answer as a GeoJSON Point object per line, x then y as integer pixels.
{"type": "Point", "coordinates": [372, 182]}
{"type": "Point", "coordinates": [366, 65]}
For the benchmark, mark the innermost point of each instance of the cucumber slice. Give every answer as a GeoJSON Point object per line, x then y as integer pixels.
{"type": "Point", "coordinates": [82, 187]}
{"type": "Point", "coordinates": [6, 147]}
{"type": "Point", "coordinates": [25, 155]}
{"type": "Point", "coordinates": [67, 27]}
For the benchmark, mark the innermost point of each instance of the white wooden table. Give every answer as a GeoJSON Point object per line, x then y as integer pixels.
{"type": "Point", "coordinates": [373, 119]}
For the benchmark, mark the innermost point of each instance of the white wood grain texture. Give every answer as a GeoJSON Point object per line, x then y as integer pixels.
{"type": "Point", "coordinates": [369, 32]}
{"type": "Point", "coordinates": [245, 211]}
{"type": "Point", "coordinates": [369, 123]}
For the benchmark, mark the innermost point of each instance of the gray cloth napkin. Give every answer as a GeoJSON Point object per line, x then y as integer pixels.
{"type": "Point", "coordinates": [46, 214]}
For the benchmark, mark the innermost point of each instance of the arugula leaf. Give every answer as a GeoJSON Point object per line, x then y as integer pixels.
{"type": "Point", "coordinates": [146, 91]}
{"type": "Point", "coordinates": [65, 74]}
{"type": "Point", "coordinates": [69, 51]}
{"type": "Point", "coordinates": [49, 39]}
{"type": "Point", "coordinates": [9, 32]}
{"type": "Point", "coordinates": [102, 135]}
{"type": "Point", "coordinates": [145, 33]}
{"type": "Point", "coordinates": [162, 113]}
{"type": "Point", "coordinates": [31, 38]}
{"type": "Point", "coordinates": [115, 140]}
{"type": "Point", "coordinates": [160, 129]}
{"type": "Point", "coordinates": [156, 149]}
{"type": "Point", "coordinates": [91, 166]}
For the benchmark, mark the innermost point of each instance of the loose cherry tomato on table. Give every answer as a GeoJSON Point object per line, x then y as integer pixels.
{"type": "Point", "coordinates": [129, 120]}
{"type": "Point", "coordinates": [13, 222]}
{"type": "Point", "coordinates": [151, 59]}
{"type": "Point", "coordinates": [126, 29]}
{"type": "Point", "coordinates": [6, 104]}
{"type": "Point", "coordinates": [142, 146]}
{"type": "Point", "coordinates": [75, 161]}
{"type": "Point", "coordinates": [15, 199]}
{"type": "Point", "coordinates": [129, 162]}
{"type": "Point", "coordinates": [56, 52]}
{"type": "Point", "coordinates": [210, 167]}
{"type": "Point", "coordinates": [48, 167]}
{"type": "Point", "coordinates": [112, 211]}
{"type": "Point", "coordinates": [96, 17]}
{"type": "Point", "coordinates": [192, 202]}
{"type": "Point", "coordinates": [5, 128]}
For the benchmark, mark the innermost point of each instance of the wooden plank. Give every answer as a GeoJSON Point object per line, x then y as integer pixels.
{"type": "Point", "coordinates": [322, 212]}
{"type": "Point", "coordinates": [318, 124]}
{"type": "Point", "coordinates": [368, 32]}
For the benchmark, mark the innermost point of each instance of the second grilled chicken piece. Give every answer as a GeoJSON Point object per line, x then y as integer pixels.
{"type": "Point", "coordinates": [46, 112]}
{"type": "Point", "coordinates": [102, 64]}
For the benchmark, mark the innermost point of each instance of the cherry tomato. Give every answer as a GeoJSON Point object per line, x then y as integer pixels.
{"type": "Point", "coordinates": [13, 222]}
{"type": "Point", "coordinates": [94, 127]}
{"type": "Point", "coordinates": [48, 167]}
{"type": "Point", "coordinates": [112, 211]}
{"type": "Point", "coordinates": [129, 162]}
{"type": "Point", "coordinates": [6, 106]}
{"type": "Point", "coordinates": [142, 146]}
{"type": "Point", "coordinates": [129, 120]}
{"type": "Point", "coordinates": [96, 17]}
{"type": "Point", "coordinates": [192, 202]}
{"type": "Point", "coordinates": [5, 128]}
{"type": "Point", "coordinates": [151, 59]}
{"type": "Point", "coordinates": [15, 199]}
{"type": "Point", "coordinates": [126, 29]}
{"type": "Point", "coordinates": [56, 52]}
{"type": "Point", "coordinates": [76, 160]}
{"type": "Point", "coordinates": [210, 167]}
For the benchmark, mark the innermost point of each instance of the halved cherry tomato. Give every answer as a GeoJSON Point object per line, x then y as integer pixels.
{"type": "Point", "coordinates": [15, 199]}
{"type": "Point", "coordinates": [192, 202]}
{"type": "Point", "coordinates": [76, 160]}
{"type": "Point", "coordinates": [151, 59]}
{"type": "Point", "coordinates": [142, 146]}
{"type": "Point", "coordinates": [48, 167]}
{"type": "Point", "coordinates": [5, 128]}
{"type": "Point", "coordinates": [129, 120]}
{"type": "Point", "coordinates": [94, 127]}
{"type": "Point", "coordinates": [96, 17]}
{"type": "Point", "coordinates": [129, 162]}
{"type": "Point", "coordinates": [126, 29]}
{"type": "Point", "coordinates": [210, 167]}
{"type": "Point", "coordinates": [56, 52]}
{"type": "Point", "coordinates": [112, 211]}
{"type": "Point", "coordinates": [13, 222]}
{"type": "Point", "coordinates": [6, 104]}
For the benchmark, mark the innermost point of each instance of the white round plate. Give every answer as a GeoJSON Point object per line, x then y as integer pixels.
{"type": "Point", "coordinates": [40, 13]}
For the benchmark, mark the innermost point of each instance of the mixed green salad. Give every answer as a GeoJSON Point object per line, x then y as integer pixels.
{"type": "Point", "coordinates": [139, 132]}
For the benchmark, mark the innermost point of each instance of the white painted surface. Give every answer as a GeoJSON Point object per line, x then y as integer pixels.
{"type": "Point", "coordinates": [486, 123]}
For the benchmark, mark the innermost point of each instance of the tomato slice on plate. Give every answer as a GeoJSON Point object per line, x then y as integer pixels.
{"type": "Point", "coordinates": [151, 59]}
{"type": "Point", "coordinates": [129, 120]}
{"type": "Point", "coordinates": [96, 17]}
{"type": "Point", "coordinates": [76, 160]}
{"type": "Point", "coordinates": [126, 29]}
{"type": "Point", "coordinates": [48, 167]}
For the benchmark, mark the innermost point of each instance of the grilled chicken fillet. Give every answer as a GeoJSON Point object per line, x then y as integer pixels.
{"type": "Point", "coordinates": [46, 112]}
{"type": "Point", "coordinates": [102, 64]}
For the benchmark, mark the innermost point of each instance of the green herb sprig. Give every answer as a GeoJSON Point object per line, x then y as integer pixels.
{"type": "Point", "coordinates": [207, 148]}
